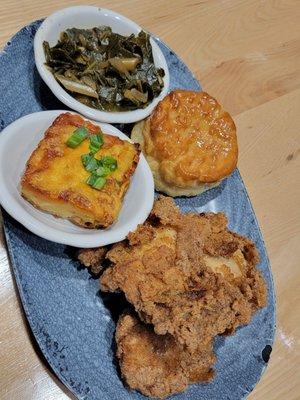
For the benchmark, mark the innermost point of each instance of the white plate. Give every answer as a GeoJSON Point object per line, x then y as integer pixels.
{"type": "Point", "coordinates": [89, 17]}
{"type": "Point", "coordinates": [17, 142]}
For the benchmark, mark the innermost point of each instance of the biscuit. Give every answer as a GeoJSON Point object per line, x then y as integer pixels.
{"type": "Point", "coordinates": [189, 142]}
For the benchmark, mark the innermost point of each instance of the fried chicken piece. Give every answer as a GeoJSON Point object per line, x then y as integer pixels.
{"type": "Point", "coordinates": [156, 365]}
{"type": "Point", "coordinates": [93, 258]}
{"type": "Point", "coordinates": [188, 275]}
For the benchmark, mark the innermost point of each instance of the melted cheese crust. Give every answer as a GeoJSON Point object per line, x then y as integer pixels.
{"type": "Point", "coordinates": [55, 179]}
{"type": "Point", "coordinates": [190, 142]}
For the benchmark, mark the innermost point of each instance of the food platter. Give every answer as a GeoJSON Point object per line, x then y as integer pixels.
{"type": "Point", "coordinates": [72, 321]}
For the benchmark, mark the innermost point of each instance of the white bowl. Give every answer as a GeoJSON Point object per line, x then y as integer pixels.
{"type": "Point", "coordinates": [89, 17]}
{"type": "Point", "coordinates": [17, 142]}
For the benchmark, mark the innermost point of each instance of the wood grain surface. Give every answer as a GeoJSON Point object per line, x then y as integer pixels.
{"type": "Point", "coordinates": [247, 55]}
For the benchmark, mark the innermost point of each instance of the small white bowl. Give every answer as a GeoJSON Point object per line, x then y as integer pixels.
{"type": "Point", "coordinates": [89, 17]}
{"type": "Point", "coordinates": [17, 142]}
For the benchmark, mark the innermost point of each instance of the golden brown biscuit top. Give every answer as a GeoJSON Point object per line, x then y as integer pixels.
{"type": "Point", "coordinates": [193, 136]}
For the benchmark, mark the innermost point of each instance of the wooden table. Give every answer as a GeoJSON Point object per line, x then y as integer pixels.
{"type": "Point", "coordinates": [247, 54]}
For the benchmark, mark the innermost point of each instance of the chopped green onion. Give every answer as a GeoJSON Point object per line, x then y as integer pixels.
{"type": "Point", "coordinates": [97, 182]}
{"type": "Point", "coordinates": [96, 141]}
{"type": "Point", "coordinates": [77, 137]}
{"type": "Point", "coordinates": [109, 162]}
{"type": "Point", "coordinates": [102, 171]}
{"type": "Point", "coordinates": [89, 162]}
{"type": "Point", "coordinates": [86, 158]}
{"type": "Point", "coordinates": [91, 165]}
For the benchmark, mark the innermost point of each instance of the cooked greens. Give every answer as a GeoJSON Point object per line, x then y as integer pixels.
{"type": "Point", "coordinates": [106, 70]}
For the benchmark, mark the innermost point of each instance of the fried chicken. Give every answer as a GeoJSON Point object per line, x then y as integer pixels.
{"type": "Point", "coordinates": [189, 279]}
{"type": "Point", "coordinates": [156, 365]}
{"type": "Point", "coordinates": [187, 274]}
{"type": "Point", "coordinates": [92, 259]}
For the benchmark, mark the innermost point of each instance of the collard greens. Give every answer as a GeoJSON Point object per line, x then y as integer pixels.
{"type": "Point", "coordinates": [105, 70]}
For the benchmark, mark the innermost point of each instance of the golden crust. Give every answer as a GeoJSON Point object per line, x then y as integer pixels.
{"type": "Point", "coordinates": [194, 279]}
{"type": "Point", "coordinates": [189, 279]}
{"type": "Point", "coordinates": [189, 141]}
{"type": "Point", "coordinates": [157, 365]}
{"type": "Point", "coordinates": [55, 180]}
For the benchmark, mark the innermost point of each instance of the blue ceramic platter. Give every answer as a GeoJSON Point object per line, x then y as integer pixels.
{"type": "Point", "coordinates": [71, 320]}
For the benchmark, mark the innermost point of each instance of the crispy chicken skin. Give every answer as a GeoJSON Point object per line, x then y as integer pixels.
{"type": "Point", "coordinates": [189, 141]}
{"type": "Point", "coordinates": [188, 275]}
{"type": "Point", "coordinates": [189, 279]}
{"type": "Point", "coordinates": [55, 179]}
{"type": "Point", "coordinates": [92, 258]}
{"type": "Point", "coordinates": [156, 365]}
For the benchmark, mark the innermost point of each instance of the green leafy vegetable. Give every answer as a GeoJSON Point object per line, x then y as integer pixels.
{"type": "Point", "coordinates": [77, 87]}
{"type": "Point", "coordinates": [77, 137]}
{"type": "Point", "coordinates": [105, 70]}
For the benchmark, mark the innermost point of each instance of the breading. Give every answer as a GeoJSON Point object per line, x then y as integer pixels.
{"type": "Point", "coordinates": [156, 365]}
{"type": "Point", "coordinates": [188, 275]}
{"type": "Point", "coordinates": [55, 179]}
{"type": "Point", "coordinates": [189, 278]}
{"type": "Point", "coordinates": [92, 258]}
{"type": "Point", "coordinates": [189, 141]}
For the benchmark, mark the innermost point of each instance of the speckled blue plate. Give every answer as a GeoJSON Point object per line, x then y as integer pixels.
{"type": "Point", "coordinates": [72, 322]}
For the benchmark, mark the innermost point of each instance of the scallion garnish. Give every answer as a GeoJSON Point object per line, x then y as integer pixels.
{"type": "Point", "coordinates": [92, 165]}
{"type": "Point", "coordinates": [89, 162]}
{"type": "Point", "coordinates": [77, 137]}
{"type": "Point", "coordinates": [102, 171]}
{"type": "Point", "coordinates": [96, 182]}
{"type": "Point", "coordinates": [85, 159]}
{"type": "Point", "coordinates": [99, 168]}
{"type": "Point", "coordinates": [96, 141]}
{"type": "Point", "coordinates": [109, 162]}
